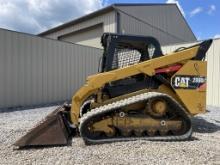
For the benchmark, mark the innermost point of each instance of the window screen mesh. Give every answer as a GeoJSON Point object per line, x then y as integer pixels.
{"type": "Point", "coordinates": [125, 57]}
{"type": "Point", "coordinates": [151, 50]}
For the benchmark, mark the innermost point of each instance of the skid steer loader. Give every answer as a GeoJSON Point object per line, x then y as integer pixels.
{"type": "Point", "coordinates": [138, 94]}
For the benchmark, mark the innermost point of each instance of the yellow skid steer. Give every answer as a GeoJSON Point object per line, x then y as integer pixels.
{"type": "Point", "coordinates": [139, 93]}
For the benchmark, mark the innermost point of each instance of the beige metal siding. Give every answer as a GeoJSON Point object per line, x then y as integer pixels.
{"type": "Point", "coordinates": [164, 22]}
{"type": "Point", "coordinates": [107, 19]}
{"type": "Point", "coordinates": [213, 79]}
{"type": "Point", "coordinates": [35, 70]}
{"type": "Point", "coordinates": [89, 36]}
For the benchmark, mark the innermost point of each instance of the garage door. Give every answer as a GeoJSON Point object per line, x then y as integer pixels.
{"type": "Point", "coordinates": [88, 36]}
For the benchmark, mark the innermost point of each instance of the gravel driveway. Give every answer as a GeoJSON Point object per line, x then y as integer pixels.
{"type": "Point", "coordinates": [204, 148]}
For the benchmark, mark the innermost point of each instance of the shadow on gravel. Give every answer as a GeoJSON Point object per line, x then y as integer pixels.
{"type": "Point", "coordinates": [193, 138]}
{"type": "Point", "coordinates": [201, 125]}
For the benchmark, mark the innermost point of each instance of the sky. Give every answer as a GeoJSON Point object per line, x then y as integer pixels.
{"type": "Point", "coordinates": [35, 16]}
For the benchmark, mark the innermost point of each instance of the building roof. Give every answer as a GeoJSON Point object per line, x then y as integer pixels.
{"type": "Point", "coordinates": [98, 12]}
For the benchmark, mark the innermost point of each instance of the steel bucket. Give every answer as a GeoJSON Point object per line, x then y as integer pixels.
{"type": "Point", "coordinates": [51, 131]}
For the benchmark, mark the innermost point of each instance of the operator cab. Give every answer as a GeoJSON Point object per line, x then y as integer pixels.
{"type": "Point", "coordinates": [124, 50]}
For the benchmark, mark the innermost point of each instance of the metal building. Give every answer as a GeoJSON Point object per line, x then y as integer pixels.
{"type": "Point", "coordinates": [163, 21]}
{"type": "Point", "coordinates": [36, 71]}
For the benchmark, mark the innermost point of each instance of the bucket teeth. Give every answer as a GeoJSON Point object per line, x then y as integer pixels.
{"type": "Point", "coordinates": [51, 131]}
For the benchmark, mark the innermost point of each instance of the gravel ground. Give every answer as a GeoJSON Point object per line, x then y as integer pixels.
{"type": "Point", "coordinates": [204, 148]}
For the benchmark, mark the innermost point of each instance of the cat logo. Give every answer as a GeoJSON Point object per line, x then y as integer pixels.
{"type": "Point", "coordinates": [182, 82]}
{"type": "Point", "coordinates": [188, 81]}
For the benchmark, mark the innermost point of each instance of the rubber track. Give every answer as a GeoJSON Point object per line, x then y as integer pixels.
{"type": "Point", "coordinates": [101, 111]}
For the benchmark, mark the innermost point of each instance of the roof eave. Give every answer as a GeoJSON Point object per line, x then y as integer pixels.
{"type": "Point", "coordinates": [80, 19]}
{"type": "Point", "coordinates": [100, 11]}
